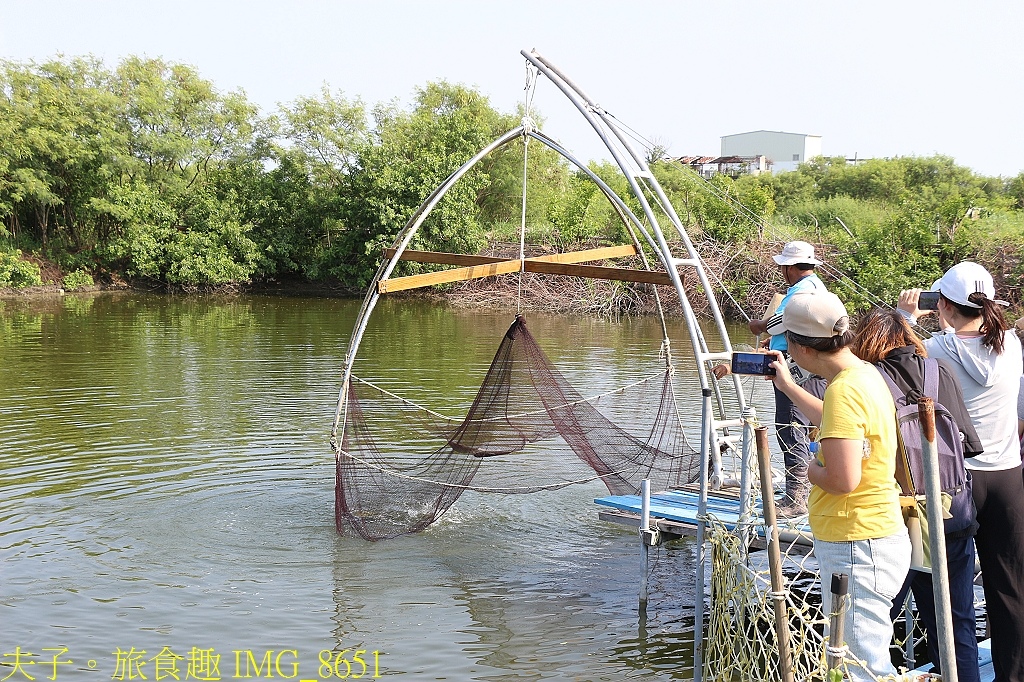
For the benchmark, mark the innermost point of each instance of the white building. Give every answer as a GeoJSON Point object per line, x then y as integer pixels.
{"type": "Point", "coordinates": [785, 150]}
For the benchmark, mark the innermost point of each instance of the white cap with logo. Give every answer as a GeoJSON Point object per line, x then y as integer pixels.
{"type": "Point", "coordinates": [964, 279]}
{"type": "Point", "coordinates": [796, 252]}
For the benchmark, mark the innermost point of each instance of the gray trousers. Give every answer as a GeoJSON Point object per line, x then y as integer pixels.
{"type": "Point", "coordinates": [791, 428]}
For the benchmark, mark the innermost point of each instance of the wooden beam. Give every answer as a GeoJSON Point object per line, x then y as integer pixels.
{"type": "Point", "coordinates": [602, 253]}
{"type": "Point", "coordinates": [600, 272]}
{"type": "Point", "coordinates": [387, 286]}
{"type": "Point", "coordinates": [443, 258]}
{"type": "Point", "coordinates": [462, 274]}
{"type": "Point", "coordinates": [485, 266]}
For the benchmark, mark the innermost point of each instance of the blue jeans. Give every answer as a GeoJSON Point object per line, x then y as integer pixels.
{"type": "Point", "coordinates": [793, 440]}
{"type": "Point", "coordinates": [877, 569]}
{"type": "Point", "coordinates": [960, 564]}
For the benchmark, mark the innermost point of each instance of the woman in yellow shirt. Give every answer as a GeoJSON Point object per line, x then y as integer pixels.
{"type": "Point", "coordinates": [853, 508]}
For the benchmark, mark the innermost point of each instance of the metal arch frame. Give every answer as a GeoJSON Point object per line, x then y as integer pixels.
{"type": "Point", "coordinates": [386, 268]}
{"type": "Point", "coordinates": [635, 167]}
{"type": "Point", "coordinates": [642, 182]}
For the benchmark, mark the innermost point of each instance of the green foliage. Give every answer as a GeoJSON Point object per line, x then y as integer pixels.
{"type": "Point", "coordinates": [176, 125]}
{"type": "Point", "coordinates": [79, 279]}
{"type": "Point", "coordinates": [568, 213]}
{"type": "Point", "coordinates": [721, 208]}
{"type": "Point", "coordinates": [890, 224]}
{"type": "Point", "coordinates": [59, 147]}
{"type": "Point", "coordinates": [883, 258]}
{"type": "Point", "coordinates": [819, 220]}
{"type": "Point", "coordinates": [203, 243]}
{"type": "Point", "coordinates": [602, 215]}
{"type": "Point", "coordinates": [16, 272]}
{"type": "Point", "coordinates": [328, 133]}
{"type": "Point", "coordinates": [145, 170]}
{"type": "Point", "coordinates": [501, 199]}
{"type": "Point", "coordinates": [997, 240]}
{"type": "Point", "coordinates": [411, 153]}
{"type": "Point", "coordinates": [1015, 191]}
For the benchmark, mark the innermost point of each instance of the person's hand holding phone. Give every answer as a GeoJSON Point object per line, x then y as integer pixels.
{"type": "Point", "coordinates": [782, 376]}
{"type": "Point", "coordinates": [911, 302]}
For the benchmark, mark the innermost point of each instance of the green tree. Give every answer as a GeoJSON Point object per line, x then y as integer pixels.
{"type": "Point", "coordinates": [409, 155]}
{"type": "Point", "coordinates": [1015, 191]}
{"type": "Point", "coordinates": [500, 200]}
{"type": "Point", "coordinates": [328, 131]}
{"type": "Point", "coordinates": [177, 125]}
{"type": "Point", "coordinates": [58, 149]}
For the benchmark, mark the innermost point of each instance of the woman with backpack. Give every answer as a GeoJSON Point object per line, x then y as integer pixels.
{"type": "Point", "coordinates": [886, 340]}
{"type": "Point", "coordinates": [985, 354]}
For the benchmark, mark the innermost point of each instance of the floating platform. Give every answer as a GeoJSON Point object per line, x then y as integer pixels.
{"type": "Point", "coordinates": [988, 673]}
{"type": "Point", "coordinates": [675, 512]}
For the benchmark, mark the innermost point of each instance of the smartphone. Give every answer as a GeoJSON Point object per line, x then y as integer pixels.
{"type": "Point", "coordinates": [753, 363]}
{"type": "Point", "coordinates": [929, 300]}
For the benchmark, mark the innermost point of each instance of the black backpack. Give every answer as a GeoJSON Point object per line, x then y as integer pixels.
{"type": "Point", "coordinates": [954, 479]}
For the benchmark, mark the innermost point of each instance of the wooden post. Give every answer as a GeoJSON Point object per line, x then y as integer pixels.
{"type": "Point", "coordinates": [937, 540]}
{"type": "Point", "coordinates": [836, 652]}
{"type": "Point", "coordinates": [774, 555]}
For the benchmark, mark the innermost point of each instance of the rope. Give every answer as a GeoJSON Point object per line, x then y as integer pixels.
{"type": "Point", "coordinates": [837, 651]}
{"type": "Point", "coordinates": [528, 126]}
{"type": "Point", "coordinates": [483, 489]}
{"type": "Point", "coordinates": [405, 400]}
{"type": "Point", "coordinates": [741, 618]}
{"type": "Point", "coordinates": [590, 399]}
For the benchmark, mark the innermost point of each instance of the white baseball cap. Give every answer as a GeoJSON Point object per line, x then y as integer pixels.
{"type": "Point", "coordinates": [796, 252]}
{"type": "Point", "coordinates": [964, 279]}
{"type": "Point", "coordinates": [817, 314]}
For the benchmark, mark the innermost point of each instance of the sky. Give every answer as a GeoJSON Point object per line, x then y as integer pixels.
{"type": "Point", "coordinates": [872, 78]}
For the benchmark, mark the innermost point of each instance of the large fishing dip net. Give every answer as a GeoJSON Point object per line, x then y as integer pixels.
{"type": "Point", "coordinates": [400, 465]}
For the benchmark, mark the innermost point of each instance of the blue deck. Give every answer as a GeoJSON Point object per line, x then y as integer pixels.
{"type": "Point", "coordinates": [681, 506]}
{"type": "Point", "coordinates": [988, 674]}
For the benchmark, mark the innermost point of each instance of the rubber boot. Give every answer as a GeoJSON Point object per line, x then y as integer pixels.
{"type": "Point", "coordinates": [794, 502]}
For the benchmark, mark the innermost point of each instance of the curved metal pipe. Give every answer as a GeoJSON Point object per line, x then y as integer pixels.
{"type": "Point", "coordinates": [588, 109]}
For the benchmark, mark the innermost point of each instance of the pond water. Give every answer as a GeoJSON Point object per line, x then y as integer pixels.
{"type": "Point", "coordinates": [168, 488]}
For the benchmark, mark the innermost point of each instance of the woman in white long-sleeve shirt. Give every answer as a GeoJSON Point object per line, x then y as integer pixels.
{"type": "Point", "coordinates": [986, 356]}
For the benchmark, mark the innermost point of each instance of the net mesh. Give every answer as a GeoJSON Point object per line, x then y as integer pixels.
{"type": "Point", "coordinates": [741, 641]}
{"type": "Point", "coordinates": [400, 466]}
